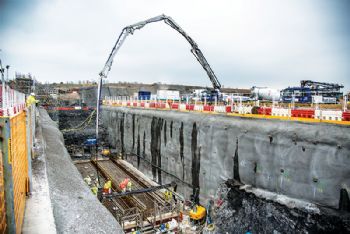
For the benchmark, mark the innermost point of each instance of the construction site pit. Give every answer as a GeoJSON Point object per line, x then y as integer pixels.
{"type": "Point", "coordinates": [143, 212]}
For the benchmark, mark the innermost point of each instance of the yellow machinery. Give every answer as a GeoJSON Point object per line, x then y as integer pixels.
{"type": "Point", "coordinates": [198, 213]}
{"type": "Point", "coordinates": [106, 152]}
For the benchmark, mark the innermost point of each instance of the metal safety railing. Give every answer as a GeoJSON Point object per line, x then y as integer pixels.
{"type": "Point", "coordinates": [238, 109]}
{"type": "Point", "coordinates": [11, 101]}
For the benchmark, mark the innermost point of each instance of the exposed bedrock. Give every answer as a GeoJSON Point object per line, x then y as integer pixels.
{"type": "Point", "coordinates": [300, 160]}
{"type": "Point", "coordinates": [244, 211]}
{"type": "Point", "coordinates": [70, 122]}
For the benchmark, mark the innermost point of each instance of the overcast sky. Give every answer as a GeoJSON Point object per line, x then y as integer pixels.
{"type": "Point", "coordinates": [270, 43]}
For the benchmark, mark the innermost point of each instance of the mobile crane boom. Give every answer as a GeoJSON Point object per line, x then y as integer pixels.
{"type": "Point", "coordinates": [169, 21]}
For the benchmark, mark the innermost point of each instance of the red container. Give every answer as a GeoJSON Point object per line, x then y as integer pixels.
{"type": "Point", "coordinates": [152, 105]}
{"type": "Point", "coordinates": [228, 109]}
{"type": "Point", "coordinates": [142, 104]}
{"type": "Point", "coordinates": [208, 108]}
{"type": "Point", "coordinates": [134, 104]}
{"type": "Point", "coordinates": [128, 103]}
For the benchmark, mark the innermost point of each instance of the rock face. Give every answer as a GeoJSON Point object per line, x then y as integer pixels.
{"type": "Point", "coordinates": [242, 212]}
{"type": "Point", "coordinates": [300, 160]}
{"type": "Point", "coordinates": [73, 119]}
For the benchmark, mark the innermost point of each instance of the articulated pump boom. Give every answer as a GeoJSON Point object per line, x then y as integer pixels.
{"type": "Point", "coordinates": [169, 21]}
{"type": "Point", "coordinates": [130, 30]}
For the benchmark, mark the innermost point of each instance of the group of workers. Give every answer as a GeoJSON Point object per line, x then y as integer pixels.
{"type": "Point", "coordinates": [125, 185]}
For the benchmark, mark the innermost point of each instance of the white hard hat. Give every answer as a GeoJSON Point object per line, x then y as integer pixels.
{"type": "Point", "coordinates": [33, 94]}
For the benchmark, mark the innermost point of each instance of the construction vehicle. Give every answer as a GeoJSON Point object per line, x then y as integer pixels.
{"type": "Point", "coordinates": [308, 90]}
{"type": "Point", "coordinates": [130, 30]}
{"type": "Point", "coordinates": [169, 21]}
{"type": "Point", "coordinates": [198, 212]}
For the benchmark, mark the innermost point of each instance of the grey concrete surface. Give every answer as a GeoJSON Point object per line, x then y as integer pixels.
{"type": "Point", "coordinates": [301, 160]}
{"type": "Point", "coordinates": [75, 208]}
{"type": "Point", "coordinates": [38, 216]}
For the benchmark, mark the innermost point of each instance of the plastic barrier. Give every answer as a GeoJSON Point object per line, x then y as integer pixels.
{"type": "Point", "coordinates": [329, 115]}
{"type": "Point", "coordinates": [190, 107]}
{"type": "Point", "coordinates": [19, 165]}
{"type": "Point", "coordinates": [220, 109]}
{"type": "Point", "coordinates": [303, 113]}
{"type": "Point", "coordinates": [244, 109]}
{"type": "Point", "coordinates": [175, 106]}
{"type": "Point", "coordinates": [182, 107]}
{"type": "Point", "coordinates": [198, 107]}
{"type": "Point", "coordinates": [346, 116]}
{"type": "Point", "coordinates": [280, 112]}
{"type": "Point", "coordinates": [208, 108]}
{"type": "Point", "coordinates": [265, 111]}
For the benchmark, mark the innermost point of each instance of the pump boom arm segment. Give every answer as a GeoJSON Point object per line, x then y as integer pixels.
{"type": "Point", "coordinates": [168, 20]}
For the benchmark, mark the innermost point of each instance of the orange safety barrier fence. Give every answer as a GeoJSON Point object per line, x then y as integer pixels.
{"type": "Point", "coordinates": [19, 159]}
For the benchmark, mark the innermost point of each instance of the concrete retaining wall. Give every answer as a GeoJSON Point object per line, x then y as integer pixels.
{"type": "Point", "coordinates": [301, 160]}
{"type": "Point", "coordinates": [75, 208]}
